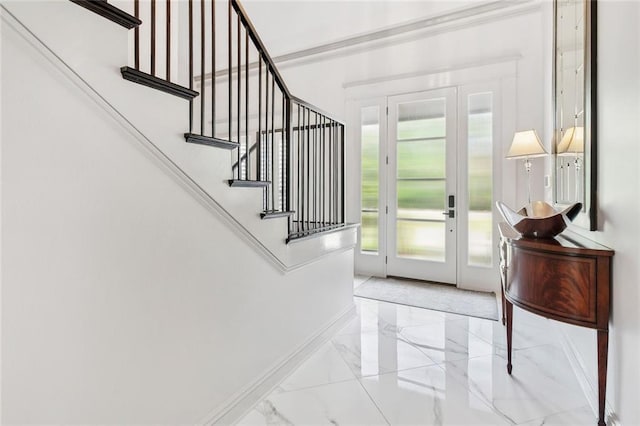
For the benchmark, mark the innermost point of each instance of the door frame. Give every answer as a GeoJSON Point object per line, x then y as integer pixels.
{"type": "Point", "coordinates": [502, 70]}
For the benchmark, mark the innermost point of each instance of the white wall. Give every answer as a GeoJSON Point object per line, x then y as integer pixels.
{"type": "Point", "coordinates": [618, 203]}
{"type": "Point", "coordinates": [125, 299]}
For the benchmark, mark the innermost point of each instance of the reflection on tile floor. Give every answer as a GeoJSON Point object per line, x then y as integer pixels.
{"type": "Point", "coordinates": [401, 365]}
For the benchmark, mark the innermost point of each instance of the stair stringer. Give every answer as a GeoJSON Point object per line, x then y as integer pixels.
{"type": "Point", "coordinates": [158, 121]}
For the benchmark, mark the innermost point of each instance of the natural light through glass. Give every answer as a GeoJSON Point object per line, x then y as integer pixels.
{"type": "Point", "coordinates": [421, 180]}
{"type": "Point", "coordinates": [480, 140]}
{"type": "Point", "coordinates": [370, 143]}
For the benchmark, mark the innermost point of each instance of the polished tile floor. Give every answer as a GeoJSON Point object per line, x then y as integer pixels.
{"type": "Point", "coordinates": [399, 365]}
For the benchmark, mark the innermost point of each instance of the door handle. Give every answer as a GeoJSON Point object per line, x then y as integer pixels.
{"type": "Point", "coordinates": [450, 213]}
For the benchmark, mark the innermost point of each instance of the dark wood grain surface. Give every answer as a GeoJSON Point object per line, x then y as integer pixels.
{"type": "Point", "coordinates": [566, 278]}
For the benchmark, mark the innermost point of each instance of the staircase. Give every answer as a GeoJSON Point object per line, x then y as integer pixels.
{"type": "Point", "coordinates": [136, 283]}
{"type": "Point", "coordinates": [210, 54]}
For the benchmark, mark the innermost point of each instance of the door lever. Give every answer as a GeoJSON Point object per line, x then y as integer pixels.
{"type": "Point", "coordinates": [451, 213]}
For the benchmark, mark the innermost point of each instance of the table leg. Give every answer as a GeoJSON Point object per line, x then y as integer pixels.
{"type": "Point", "coordinates": [509, 310]}
{"type": "Point", "coordinates": [504, 306]}
{"type": "Point", "coordinates": [603, 352]}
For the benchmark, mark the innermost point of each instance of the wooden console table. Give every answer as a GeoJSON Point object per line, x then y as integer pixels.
{"type": "Point", "coordinates": [566, 279]}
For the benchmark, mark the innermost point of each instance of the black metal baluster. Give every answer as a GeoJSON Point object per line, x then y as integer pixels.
{"type": "Point", "coordinates": [288, 153]}
{"type": "Point", "coordinates": [299, 165]}
{"type": "Point", "coordinates": [323, 168]}
{"type": "Point", "coordinates": [202, 50]}
{"type": "Point", "coordinates": [230, 70]}
{"type": "Point", "coordinates": [323, 174]}
{"type": "Point", "coordinates": [308, 149]}
{"type": "Point", "coordinates": [318, 170]}
{"type": "Point", "coordinates": [343, 174]}
{"type": "Point", "coordinates": [239, 88]}
{"type": "Point", "coordinates": [309, 169]}
{"type": "Point", "coordinates": [320, 162]}
{"type": "Point", "coordinates": [191, 64]}
{"type": "Point", "coordinates": [259, 137]}
{"type": "Point", "coordinates": [246, 105]}
{"type": "Point", "coordinates": [312, 169]}
{"type": "Point", "coordinates": [213, 68]}
{"type": "Point", "coordinates": [331, 173]}
{"type": "Point", "coordinates": [136, 35]}
{"type": "Point", "coordinates": [168, 54]}
{"type": "Point", "coordinates": [291, 173]}
{"type": "Point", "coordinates": [303, 181]}
{"type": "Point", "coordinates": [316, 158]}
{"type": "Point", "coordinates": [335, 168]}
{"type": "Point", "coordinates": [273, 124]}
{"type": "Point", "coordinates": [281, 176]}
{"type": "Point", "coordinates": [153, 37]}
{"type": "Point", "coordinates": [266, 135]}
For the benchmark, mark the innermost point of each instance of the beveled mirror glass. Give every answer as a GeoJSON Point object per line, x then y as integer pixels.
{"type": "Point", "coordinates": [574, 138]}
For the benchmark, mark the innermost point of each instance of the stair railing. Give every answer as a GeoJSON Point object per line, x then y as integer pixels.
{"type": "Point", "coordinates": [318, 179]}
{"type": "Point", "coordinates": [238, 100]}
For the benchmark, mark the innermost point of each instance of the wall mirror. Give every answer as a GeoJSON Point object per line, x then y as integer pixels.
{"type": "Point", "coordinates": [574, 94]}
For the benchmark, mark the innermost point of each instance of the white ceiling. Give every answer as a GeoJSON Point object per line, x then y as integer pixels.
{"type": "Point", "coordinates": [287, 26]}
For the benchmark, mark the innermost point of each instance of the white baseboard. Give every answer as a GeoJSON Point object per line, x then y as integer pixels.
{"type": "Point", "coordinates": [589, 387]}
{"type": "Point", "coordinates": [243, 401]}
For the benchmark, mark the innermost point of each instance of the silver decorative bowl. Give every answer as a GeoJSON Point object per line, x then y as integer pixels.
{"type": "Point", "coordinates": [539, 219]}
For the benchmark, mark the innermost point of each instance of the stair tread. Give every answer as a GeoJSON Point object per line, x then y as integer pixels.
{"type": "Point", "coordinates": [210, 141]}
{"type": "Point", "coordinates": [154, 82]}
{"type": "Point", "coordinates": [109, 11]}
{"type": "Point", "coordinates": [273, 214]}
{"type": "Point", "coordinates": [248, 183]}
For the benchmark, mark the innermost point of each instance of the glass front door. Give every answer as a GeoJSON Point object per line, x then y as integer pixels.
{"type": "Point", "coordinates": [421, 224]}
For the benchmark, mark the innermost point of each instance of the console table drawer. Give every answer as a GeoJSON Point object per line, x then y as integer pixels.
{"type": "Point", "coordinates": [562, 286]}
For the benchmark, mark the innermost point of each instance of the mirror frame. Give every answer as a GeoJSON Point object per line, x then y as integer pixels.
{"type": "Point", "coordinates": [588, 216]}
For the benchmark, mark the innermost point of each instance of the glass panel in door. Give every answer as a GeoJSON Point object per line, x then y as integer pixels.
{"type": "Point", "coordinates": [369, 131]}
{"type": "Point", "coordinates": [479, 177]}
{"type": "Point", "coordinates": [478, 173]}
{"type": "Point", "coordinates": [370, 151]}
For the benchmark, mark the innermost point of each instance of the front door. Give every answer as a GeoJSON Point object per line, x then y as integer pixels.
{"type": "Point", "coordinates": [421, 185]}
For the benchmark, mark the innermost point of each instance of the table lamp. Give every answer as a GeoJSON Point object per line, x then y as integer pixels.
{"type": "Point", "coordinates": [526, 145]}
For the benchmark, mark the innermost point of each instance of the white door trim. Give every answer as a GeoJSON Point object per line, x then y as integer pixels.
{"type": "Point", "coordinates": [504, 71]}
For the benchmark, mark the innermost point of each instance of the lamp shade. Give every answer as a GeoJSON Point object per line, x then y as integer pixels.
{"type": "Point", "coordinates": [526, 144]}
{"type": "Point", "coordinates": [572, 141]}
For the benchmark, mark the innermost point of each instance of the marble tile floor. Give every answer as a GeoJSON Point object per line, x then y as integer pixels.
{"type": "Point", "coordinates": [400, 365]}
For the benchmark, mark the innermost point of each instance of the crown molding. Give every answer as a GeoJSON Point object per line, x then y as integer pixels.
{"type": "Point", "coordinates": [400, 33]}
{"type": "Point", "coordinates": [487, 11]}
